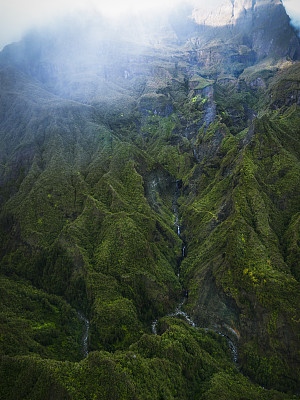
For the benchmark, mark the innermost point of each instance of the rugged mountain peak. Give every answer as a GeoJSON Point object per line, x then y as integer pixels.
{"type": "Point", "coordinates": [262, 25]}
{"type": "Point", "coordinates": [231, 12]}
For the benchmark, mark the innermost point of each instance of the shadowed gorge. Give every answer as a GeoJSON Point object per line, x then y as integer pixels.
{"type": "Point", "coordinates": [150, 193]}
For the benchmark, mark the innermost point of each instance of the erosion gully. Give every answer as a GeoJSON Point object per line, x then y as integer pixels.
{"type": "Point", "coordinates": [178, 310]}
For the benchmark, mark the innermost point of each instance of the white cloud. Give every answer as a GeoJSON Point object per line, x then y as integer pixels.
{"type": "Point", "coordinates": [293, 9]}
{"type": "Point", "coordinates": [17, 16]}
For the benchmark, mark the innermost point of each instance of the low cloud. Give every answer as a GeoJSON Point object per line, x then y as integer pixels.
{"type": "Point", "coordinates": [18, 16]}
{"type": "Point", "coordinates": [293, 10]}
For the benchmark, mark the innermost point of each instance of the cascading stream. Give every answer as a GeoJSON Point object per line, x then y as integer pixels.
{"type": "Point", "coordinates": [178, 310]}
{"type": "Point", "coordinates": [85, 336]}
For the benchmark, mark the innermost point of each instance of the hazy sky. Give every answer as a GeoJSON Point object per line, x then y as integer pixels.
{"type": "Point", "coordinates": [17, 16]}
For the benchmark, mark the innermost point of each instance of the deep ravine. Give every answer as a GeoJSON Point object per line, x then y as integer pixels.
{"type": "Point", "coordinates": [178, 310]}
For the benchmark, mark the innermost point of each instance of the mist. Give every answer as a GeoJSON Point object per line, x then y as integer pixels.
{"type": "Point", "coordinates": [293, 10]}
{"type": "Point", "coordinates": [17, 17]}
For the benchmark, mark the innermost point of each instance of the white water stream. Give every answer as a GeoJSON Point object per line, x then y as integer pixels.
{"type": "Point", "coordinates": [85, 337]}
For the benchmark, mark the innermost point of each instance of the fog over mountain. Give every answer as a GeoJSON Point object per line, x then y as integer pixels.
{"type": "Point", "coordinates": [17, 17]}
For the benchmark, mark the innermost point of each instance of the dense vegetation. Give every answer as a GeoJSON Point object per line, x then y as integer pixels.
{"type": "Point", "coordinates": [98, 167]}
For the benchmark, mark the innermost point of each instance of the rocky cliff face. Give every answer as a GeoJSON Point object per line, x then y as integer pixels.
{"type": "Point", "coordinates": [235, 12]}
{"type": "Point", "coordinates": [133, 168]}
{"type": "Point", "coordinates": [263, 26]}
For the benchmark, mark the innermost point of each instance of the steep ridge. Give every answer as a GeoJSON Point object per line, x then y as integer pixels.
{"type": "Point", "coordinates": [94, 135]}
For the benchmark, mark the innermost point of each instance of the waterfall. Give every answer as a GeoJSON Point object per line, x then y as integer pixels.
{"type": "Point", "coordinates": [154, 327]}
{"type": "Point", "coordinates": [85, 337]}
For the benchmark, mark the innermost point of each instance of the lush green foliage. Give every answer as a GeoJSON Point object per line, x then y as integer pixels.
{"type": "Point", "coordinates": [96, 174]}
{"type": "Point", "coordinates": [181, 363]}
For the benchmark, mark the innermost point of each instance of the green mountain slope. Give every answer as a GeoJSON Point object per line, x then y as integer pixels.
{"type": "Point", "coordinates": [150, 212]}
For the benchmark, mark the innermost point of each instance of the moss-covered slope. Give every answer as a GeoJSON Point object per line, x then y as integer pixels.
{"type": "Point", "coordinates": [99, 172]}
